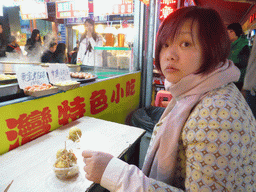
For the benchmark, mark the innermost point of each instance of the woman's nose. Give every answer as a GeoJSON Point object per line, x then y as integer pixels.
{"type": "Point", "coordinates": [171, 53]}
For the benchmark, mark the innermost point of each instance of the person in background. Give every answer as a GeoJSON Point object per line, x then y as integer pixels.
{"type": "Point", "coordinates": [3, 42]}
{"type": "Point", "coordinates": [250, 80]}
{"type": "Point", "coordinates": [47, 56]}
{"type": "Point", "coordinates": [60, 56]}
{"type": "Point", "coordinates": [34, 44]}
{"type": "Point", "coordinates": [13, 47]}
{"type": "Point", "coordinates": [205, 139]}
{"type": "Point", "coordinates": [89, 40]}
{"type": "Point", "coordinates": [73, 54]}
{"type": "Point", "coordinates": [240, 50]}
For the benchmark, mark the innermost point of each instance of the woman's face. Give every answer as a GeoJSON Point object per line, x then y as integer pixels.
{"type": "Point", "coordinates": [183, 55]}
{"type": "Point", "coordinates": [37, 37]}
{"type": "Point", "coordinates": [232, 35]}
{"type": "Point", "coordinates": [89, 27]}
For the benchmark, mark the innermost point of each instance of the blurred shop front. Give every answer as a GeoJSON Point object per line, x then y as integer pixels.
{"type": "Point", "coordinates": [109, 22]}
{"type": "Point", "coordinates": [249, 24]}
{"type": "Point", "coordinates": [112, 94]}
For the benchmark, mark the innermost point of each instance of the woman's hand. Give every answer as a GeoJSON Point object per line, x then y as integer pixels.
{"type": "Point", "coordinates": [95, 164]}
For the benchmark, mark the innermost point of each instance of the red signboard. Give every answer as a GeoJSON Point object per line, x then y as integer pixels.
{"type": "Point", "coordinates": [167, 7]}
{"type": "Point", "coordinates": [252, 17]}
{"type": "Point", "coordinates": [71, 9]}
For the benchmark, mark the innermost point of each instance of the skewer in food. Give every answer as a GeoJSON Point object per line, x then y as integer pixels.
{"type": "Point", "coordinates": [65, 167]}
{"type": "Point", "coordinates": [75, 134]}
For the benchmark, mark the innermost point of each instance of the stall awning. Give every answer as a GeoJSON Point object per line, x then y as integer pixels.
{"type": "Point", "coordinates": [230, 11]}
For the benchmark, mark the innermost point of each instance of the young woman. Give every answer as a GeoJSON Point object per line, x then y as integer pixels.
{"type": "Point", "coordinates": [205, 139]}
{"type": "Point", "coordinates": [34, 44]}
{"type": "Point", "coordinates": [60, 56]}
{"type": "Point", "coordinates": [89, 40]}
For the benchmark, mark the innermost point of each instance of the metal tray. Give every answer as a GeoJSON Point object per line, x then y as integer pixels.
{"type": "Point", "coordinates": [9, 89]}
{"type": "Point", "coordinates": [42, 93]}
{"type": "Point", "coordinates": [67, 87]}
{"type": "Point", "coordinates": [8, 81]}
{"type": "Point", "coordinates": [84, 80]}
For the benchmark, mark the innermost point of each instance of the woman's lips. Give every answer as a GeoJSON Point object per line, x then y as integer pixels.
{"type": "Point", "coordinates": [171, 70]}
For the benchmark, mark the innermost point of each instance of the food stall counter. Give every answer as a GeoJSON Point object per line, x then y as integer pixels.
{"type": "Point", "coordinates": [30, 166]}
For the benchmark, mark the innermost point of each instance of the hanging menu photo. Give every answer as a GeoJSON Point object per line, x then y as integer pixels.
{"type": "Point", "coordinates": [71, 9]}
{"type": "Point", "coordinates": [39, 10]}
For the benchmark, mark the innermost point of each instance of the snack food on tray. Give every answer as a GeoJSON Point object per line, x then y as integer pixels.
{"type": "Point", "coordinates": [75, 134]}
{"type": "Point", "coordinates": [65, 166]}
{"type": "Point", "coordinates": [64, 83]}
{"type": "Point", "coordinates": [6, 77]}
{"type": "Point", "coordinates": [81, 75]}
{"type": "Point", "coordinates": [34, 88]}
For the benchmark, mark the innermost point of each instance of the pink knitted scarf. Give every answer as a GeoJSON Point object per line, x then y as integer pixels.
{"type": "Point", "coordinates": [162, 153]}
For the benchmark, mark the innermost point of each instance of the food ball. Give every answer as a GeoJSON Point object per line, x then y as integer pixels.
{"type": "Point", "coordinates": [60, 152]}
{"type": "Point", "coordinates": [74, 134]}
{"type": "Point", "coordinates": [61, 164]}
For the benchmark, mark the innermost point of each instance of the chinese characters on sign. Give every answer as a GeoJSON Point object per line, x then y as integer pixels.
{"type": "Point", "coordinates": [58, 73]}
{"type": "Point", "coordinates": [167, 7]}
{"type": "Point", "coordinates": [72, 110]}
{"type": "Point", "coordinates": [98, 101]}
{"type": "Point", "coordinates": [30, 126]}
{"type": "Point", "coordinates": [124, 8]}
{"type": "Point", "coordinates": [113, 7]}
{"type": "Point", "coordinates": [252, 17]}
{"type": "Point", "coordinates": [71, 9]}
{"type": "Point", "coordinates": [33, 77]}
{"type": "Point", "coordinates": [28, 76]}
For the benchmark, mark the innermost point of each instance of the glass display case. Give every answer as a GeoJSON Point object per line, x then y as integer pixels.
{"type": "Point", "coordinates": [9, 87]}
{"type": "Point", "coordinates": [113, 58]}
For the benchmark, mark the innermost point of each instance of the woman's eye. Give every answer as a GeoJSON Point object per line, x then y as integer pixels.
{"type": "Point", "coordinates": [165, 45]}
{"type": "Point", "coordinates": [185, 44]}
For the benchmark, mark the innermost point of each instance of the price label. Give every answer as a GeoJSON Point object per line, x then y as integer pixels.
{"type": "Point", "coordinates": [58, 73]}
{"type": "Point", "coordinates": [29, 76]}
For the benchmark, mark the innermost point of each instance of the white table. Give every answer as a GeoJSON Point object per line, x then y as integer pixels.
{"type": "Point", "coordinates": [31, 165]}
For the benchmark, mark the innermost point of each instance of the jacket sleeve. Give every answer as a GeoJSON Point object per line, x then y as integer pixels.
{"type": "Point", "coordinates": [97, 43]}
{"type": "Point", "coordinates": [243, 57]}
{"type": "Point", "coordinates": [122, 177]}
{"type": "Point", "coordinates": [81, 50]}
{"type": "Point", "coordinates": [211, 143]}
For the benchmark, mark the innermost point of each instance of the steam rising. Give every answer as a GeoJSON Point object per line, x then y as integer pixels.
{"type": "Point", "coordinates": [34, 56]}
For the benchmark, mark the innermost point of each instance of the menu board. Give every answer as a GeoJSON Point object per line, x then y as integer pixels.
{"type": "Point", "coordinates": [71, 9]}
{"type": "Point", "coordinates": [113, 7]}
{"type": "Point", "coordinates": [29, 76]}
{"type": "Point", "coordinates": [33, 10]}
{"type": "Point", "coordinates": [58, 73]}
